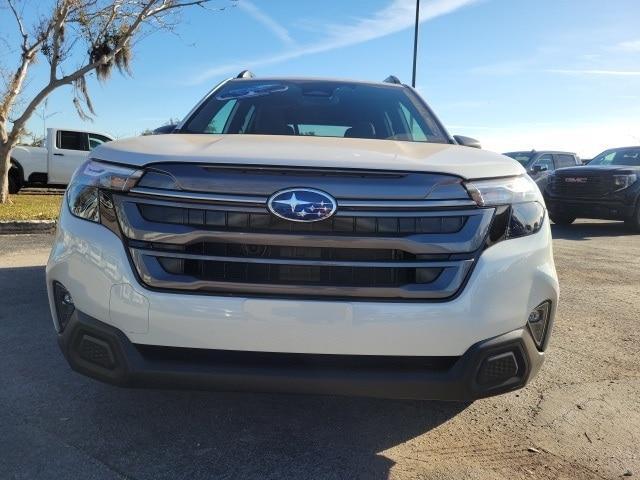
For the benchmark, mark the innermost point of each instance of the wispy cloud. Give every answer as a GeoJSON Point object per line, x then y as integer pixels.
{"type": "Point", "coordinates": [395, 17]}
{"type": "Point", "coordinates": [629, 46]}
{"type": "Point", "coordinates": [583, 72]}
{"type": "Point", "coordinates": [257, 14]}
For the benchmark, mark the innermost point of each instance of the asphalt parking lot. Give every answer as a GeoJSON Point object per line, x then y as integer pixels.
{"type": "Point", "coordinates": [579, 419]}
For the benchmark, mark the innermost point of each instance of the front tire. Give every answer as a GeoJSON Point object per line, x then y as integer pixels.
{"type": "Point", "coordinates": [562, 218]}
{"type": "Point", "coordinates": [14, 181]}
{"type": "Point", "coordinates": [633, 223]}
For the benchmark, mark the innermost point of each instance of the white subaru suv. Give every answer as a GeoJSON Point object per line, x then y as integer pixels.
{"type": "Point", "coordinates": [310, 236]}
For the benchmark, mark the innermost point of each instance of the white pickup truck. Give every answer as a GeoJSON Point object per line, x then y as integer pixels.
{"type": "Point", "coordinates": [55, 162]}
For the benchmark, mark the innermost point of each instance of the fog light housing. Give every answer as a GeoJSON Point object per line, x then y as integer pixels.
{"type": "Point", "coordinates": [64, 305]}
{"type": "Point", "coordinates": [538, 322]}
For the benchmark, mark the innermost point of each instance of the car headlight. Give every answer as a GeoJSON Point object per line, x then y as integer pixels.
{"type": "Point", "coordinates": [519, 205]}
{"type": "Point", "coordinates": [624, 181]}
{"type": "Point", "coordinates": [83, 193]}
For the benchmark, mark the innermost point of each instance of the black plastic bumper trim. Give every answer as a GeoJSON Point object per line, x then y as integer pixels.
{"type": "Point", "coordinates": [134, 367]}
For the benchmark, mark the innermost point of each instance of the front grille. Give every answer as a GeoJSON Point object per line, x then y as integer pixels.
{"type": "Point", "coordinates": [395, 248]}
{"type": "Point", "coordinates": [579, 185]}
{"type": "Point", "coordinates": [298, 274]}
{"type": "Point", "coordinates": [263, 222]}
{"type": "Point", "coordinates": [297, 253]}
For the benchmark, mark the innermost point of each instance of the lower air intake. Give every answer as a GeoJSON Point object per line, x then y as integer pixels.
{"type": "Point", "coordinates": [96, 351]}
{"type": "Point", "coordinates": [498, 369]}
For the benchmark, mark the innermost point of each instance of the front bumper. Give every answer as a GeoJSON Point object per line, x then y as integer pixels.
{"type": "Point", "coordinates": [103, 352]}
{"type": "Point", "coordinates": [609, 209]}
{"type": "Point", "coordinates": [509, 280]}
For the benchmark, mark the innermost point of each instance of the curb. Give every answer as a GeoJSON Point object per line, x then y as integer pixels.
{"type": "Point", "coordinates": [26, 226]}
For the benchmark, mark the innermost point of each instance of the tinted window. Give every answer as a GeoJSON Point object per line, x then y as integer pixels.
{"type": "Point", "coordinates": [627, 156]}
{"type": "Point", "coordinates": [318, 108]}
{"type": "Point", "coordinates": [96, 140]}
{"type": "Point", "coordinates": [219, 120]}
{"type": "Point", "coordinates": [322, 130]}
{"type": "Point", "coordinates": [522, 157]}
{"type": "Point", "coordinates": [545, 160]}
{"type": "Point", "coordinates": [72, 140]}
{"type": "Point", "coordinates": [413, 126]}
{"type": "Point", "coordinates": [564, 160]}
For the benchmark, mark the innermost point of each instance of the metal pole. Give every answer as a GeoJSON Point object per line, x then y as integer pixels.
{"type": "Point", "coordinates": [415, 44]}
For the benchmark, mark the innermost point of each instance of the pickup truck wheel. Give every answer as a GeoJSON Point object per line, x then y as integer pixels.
{"type": "Point", "coordinates": [14, 181]}
{"type": "Point", "coordinates": [562, 218]}
{"type": "Point", "coordinates": [633, 223]}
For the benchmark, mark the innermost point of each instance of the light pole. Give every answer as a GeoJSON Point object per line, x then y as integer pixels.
{"type": "Point", "coordinates": [43, 115]}
{"type": "Point", "coordinates": [415, 44]}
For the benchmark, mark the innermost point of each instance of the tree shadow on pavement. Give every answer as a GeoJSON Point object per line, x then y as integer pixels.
{"type": "Point", "coordinates": [584, 230]}
{"type": "Point", "coordinates": [57, 421]}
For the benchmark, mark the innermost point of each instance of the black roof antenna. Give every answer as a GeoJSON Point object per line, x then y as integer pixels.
{"type": "Point", "coordinates": [245, 74]}
{"type": "Point", "coordinates": [392, 79]}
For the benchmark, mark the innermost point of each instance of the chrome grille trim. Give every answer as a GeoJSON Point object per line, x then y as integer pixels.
{"type": "Point", "coordinates": [198, 197]}
{"type": "Point", "coordinates": [402, 204]}
{"type": "Point", "coordinates": [293, 261]}
{"type": "Point", "coordinates": [261, 201]}
{"type": "Point", "coordinates": [446, 285]}
{"type": "Point", "coordinates": [467, 240]}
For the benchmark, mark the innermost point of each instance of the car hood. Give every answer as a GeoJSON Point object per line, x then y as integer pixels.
{"type": "Point", "coordinates": [595, 170]}
{"type": "Point", "coordinates": [303, 151]}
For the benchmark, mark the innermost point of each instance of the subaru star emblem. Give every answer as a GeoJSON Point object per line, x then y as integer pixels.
{"type": "Point", "coordinates": [302, 205]}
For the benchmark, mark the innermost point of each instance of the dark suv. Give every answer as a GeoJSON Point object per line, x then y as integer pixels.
{"type": "Point", "coordinates": [606, 188]}
{"type": "Point", "coordinates": [541, 164]}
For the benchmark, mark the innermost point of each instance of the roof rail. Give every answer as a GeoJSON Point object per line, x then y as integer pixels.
{"type": "Point", "coordinates": [245, 74]}
{"type": "Point", "coordinates": [392, 79]}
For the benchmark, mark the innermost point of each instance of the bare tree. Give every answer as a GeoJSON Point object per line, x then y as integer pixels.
{"type": "Point", "coordinates": [76, 38]}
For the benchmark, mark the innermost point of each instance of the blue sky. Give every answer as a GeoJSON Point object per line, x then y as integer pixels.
{"type": "Point", "coordinates": [517, 74]}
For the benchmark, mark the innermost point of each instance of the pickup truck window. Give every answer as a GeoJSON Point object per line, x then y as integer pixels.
{"type": "Point", "coordinates": [523, 158]}
{"type": "Point", "coordinates": [628, 157]}
{"type": "Point", "coordinates": [68, 140]}
{"type": "Point", "coordinates": [545, 160]}
{"type": "Point", "coordinates": [564, 160]}
{"type": "Point", "coordinates": [96, 140]}
{"type": "Point", "coordinates": [325, 108]}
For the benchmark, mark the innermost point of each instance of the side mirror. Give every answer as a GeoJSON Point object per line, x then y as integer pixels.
{"type": "Point", "coordinates": [467, 141]}
{"type": "Point", "coordinates": [539, 168]}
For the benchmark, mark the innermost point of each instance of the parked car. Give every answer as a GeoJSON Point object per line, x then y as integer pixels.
{"type": "Point", "coordinates": [54, 163]}
{"type": "Point", "coordinates": [606, 188]}
{"type": "Point", "coordinates": [541, 164]}
{"type": "Point", "coordinates": [305, 235]}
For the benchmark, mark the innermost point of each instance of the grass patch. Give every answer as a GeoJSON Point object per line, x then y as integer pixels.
{"type": "Point", "coordinates": [31, 207]}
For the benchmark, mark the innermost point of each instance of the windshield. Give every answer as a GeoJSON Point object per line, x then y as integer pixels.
{"type": "Point", "coordinates": [624, 157]}
{"type": "Point", "coordinates": [316, 108]}
{"type": "Point", "coordinates": [522, 157]}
